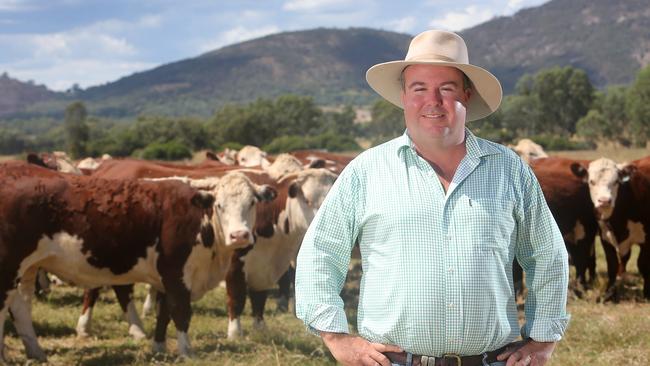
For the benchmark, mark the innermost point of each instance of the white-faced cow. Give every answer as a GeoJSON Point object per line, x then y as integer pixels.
{"type": "Point", "coordinates": [528, 150]}
{"type": "Point", "coordinates": [280, 228]}
{"type": "Point", "coordinates": [252, 156]}
{"type": "Point", "coordinates": [621, 198]}
{"type": "Point", "coordinates": [94, 232]}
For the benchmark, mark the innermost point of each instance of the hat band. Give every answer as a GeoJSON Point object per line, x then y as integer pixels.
{"type": "Point", "coordinates": [432, 57]}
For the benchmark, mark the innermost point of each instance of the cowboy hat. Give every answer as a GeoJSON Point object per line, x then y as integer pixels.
{"type": "Point", "coordinates": [435, 47]}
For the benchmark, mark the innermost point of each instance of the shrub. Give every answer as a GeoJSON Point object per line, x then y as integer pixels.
{"type": "Point", "coordinates": [172, 150]}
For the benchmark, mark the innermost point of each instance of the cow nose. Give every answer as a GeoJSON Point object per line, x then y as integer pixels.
{"type": "Point", "coordinates": [239, 235]}
{"type": "Point", "coordinates": [605, 201]}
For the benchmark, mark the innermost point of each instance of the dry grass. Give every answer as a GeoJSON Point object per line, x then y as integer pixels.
{"type": "Point", "coordinates": [619, 155]}
{"type": "Point", "coordinates": [599, 333]}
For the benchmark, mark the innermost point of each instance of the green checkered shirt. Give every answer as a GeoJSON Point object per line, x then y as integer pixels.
{"type": "Point", "coordinates": [437, 267]}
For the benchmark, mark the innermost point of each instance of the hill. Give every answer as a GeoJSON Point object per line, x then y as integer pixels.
{"type": "Point", "coordinates": [608, 39]}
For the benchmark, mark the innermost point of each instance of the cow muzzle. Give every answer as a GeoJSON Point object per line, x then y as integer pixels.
{"type": "Point", "coordinates": [239, 238]}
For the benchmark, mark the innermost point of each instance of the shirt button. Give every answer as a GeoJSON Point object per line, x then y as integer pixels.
{"type": "Point", "coordinates": [450, 305]}
{"type": "Point", "coordinates": [450, 269]}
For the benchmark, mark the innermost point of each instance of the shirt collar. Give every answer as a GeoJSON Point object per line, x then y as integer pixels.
{"type": "Point", "coordinates": [476, 147]}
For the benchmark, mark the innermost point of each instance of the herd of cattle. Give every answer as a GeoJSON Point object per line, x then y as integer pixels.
{"type": "Point", "coordinates": [239, 217]}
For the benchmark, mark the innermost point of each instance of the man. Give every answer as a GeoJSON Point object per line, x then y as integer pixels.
{"type": "Point", "coordinates": [439, 216]}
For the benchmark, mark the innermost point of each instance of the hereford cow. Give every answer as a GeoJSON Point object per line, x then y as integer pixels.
{"type": "Point", "coordinates": [568, 199]}
{"type": "Point", "coordinates": [528, 150]}
{"type": "Point", "coordinates": [280, 228]}
{"type": "Point", "coordinates": [252, 156]}
{"type": "Point", "coordinates": [94, 232]}
{"type": "Point", "coordinates": [333, 162]}
{"type": "Point", "coordinates": [620, 194]}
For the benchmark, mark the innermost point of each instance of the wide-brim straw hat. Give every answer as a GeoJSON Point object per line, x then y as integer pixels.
{"type": "Point", "coordinates": [435, 47]}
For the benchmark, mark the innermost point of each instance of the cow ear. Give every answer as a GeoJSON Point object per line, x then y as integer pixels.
{"type": "Point", "coordinates": [203, 200]}
{"type": "Point", "coordinates": [32, 158]}
{"type": "Point", "coordinates": [625, 172]}
{"type": "Point", "coordinates": [294, 190]}
{"type": "Point", "coordinates": [317, 163]}
{"type": "Point", "coordinates": [266, 193]}
{"type": "Point", "coordinates": [579, 170]}
{"type": "Point", "coordinates": [211, 156]}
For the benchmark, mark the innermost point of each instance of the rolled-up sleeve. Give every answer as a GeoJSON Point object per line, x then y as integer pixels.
{"type": "Point", "coordinates": [324, 256]}
{"type": "Point", "coordinates": [543, 256]}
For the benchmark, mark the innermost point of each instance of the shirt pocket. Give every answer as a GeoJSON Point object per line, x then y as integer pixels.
{"type": "Point", "coordinates": [486, 224]}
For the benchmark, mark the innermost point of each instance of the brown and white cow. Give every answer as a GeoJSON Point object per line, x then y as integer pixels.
{"type": "Point", "coordinates": [252, 156]}
{"type": "Point", "coordinates": [280, 228]}
{"type": "Point", "coordinates": [94, 232]}
{"type": "Point", "coordinates": [333, 162]}
{"type": "Point", "coordinates": [568, 199]}
{"type": "Point", "coordinates": [620, 195]}
{"type": "Point", "coordinates": [528, 150]}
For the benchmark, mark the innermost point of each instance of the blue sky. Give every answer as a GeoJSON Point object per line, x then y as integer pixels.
{"type": "Point", "coordinates": [91, 42]}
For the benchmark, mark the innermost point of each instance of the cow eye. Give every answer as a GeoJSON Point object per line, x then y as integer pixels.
{"type": "Point", "coordinates": [592, 182]}
{"type": "Point", "coordinates": [219, 206]}
{"type": "Point", "coordinates": [252, 203]}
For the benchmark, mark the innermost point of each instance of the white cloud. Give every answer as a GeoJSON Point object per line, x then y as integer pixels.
{"type": "Point", "coordinates": [62, 74]}
{"type": "Point", "coordinates": [515, 4]}
{"type": "Point", "coordinates": [14, 5]}
{"type": "Point", "coordinates": [456, 21]}
{"type": "Point", "coordinates": [403, 25]}
{"type": "Point", "coordinates": [77, 44]}
{"type": "Point", "coordinates": [150, 21]}
{"type": "Point", "coordinates": [237, 34]}
{"type": "Point", "coordinates": [316, 5]}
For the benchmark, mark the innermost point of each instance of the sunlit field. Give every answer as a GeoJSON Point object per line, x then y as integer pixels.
{"type": "Point", "coordinates": [599, 333]}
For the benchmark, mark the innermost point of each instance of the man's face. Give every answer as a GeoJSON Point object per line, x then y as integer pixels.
{"type": "Point", "coordinates": [434, 105]}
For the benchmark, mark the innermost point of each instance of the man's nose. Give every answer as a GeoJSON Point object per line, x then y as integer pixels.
{"type": "Point", "coordinates": [435, 97]}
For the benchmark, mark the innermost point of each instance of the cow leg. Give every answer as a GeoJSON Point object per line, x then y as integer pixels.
{"type": "Point", "coordinates": [21, 309]}
{"type": "Point", "coordinates": [284, 289]}
{"type": "Point", "coordinates": [612, 271]}
{"type": "Point", "coordinates": [180, 310]}
{"type": "Point", "coordinates": [258, 301]}
{"type": "Point", "coordinates": [236, 290]}
{"type": "Point", "coordinates": [149, 301]}
{"type": "Point", "coordinates": [85, 319]}
{"type": "Point", "coordinates": [644, 267]}
{"type": "Point", "coordinates": [162, 321]}
{"type": "Point", "coordinates": [518, 278]}
{"type": "Point", "coordinates": [3, 314]}
{"type": "Point", "coordinates": [43, 284]}
{"type": "Point", "coordinates": [124, 296]}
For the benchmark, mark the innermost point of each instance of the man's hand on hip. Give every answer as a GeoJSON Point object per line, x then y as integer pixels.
{"type": "Point", "coordinates": [352, 350]}
{"type": "Point", "coordinates": [528, 353]}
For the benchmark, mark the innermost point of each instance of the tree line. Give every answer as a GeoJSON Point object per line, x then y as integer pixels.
{"type": "Point", "coordinates": [558, 107]}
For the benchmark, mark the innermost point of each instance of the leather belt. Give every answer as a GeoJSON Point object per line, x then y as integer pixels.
{"type": "Point", "coordinates": [446, 360]}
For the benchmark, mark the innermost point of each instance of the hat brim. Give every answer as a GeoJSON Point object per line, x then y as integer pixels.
{"type": "Point", "coordinates": [384, 78]}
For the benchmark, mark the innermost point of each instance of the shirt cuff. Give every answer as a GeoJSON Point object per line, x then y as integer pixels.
{"type": "Point", "coordinates": [325, 318]}
{"type": "Point", "coordinates": [545, 330]}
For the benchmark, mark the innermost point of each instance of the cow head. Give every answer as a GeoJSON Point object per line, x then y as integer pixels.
{"type": "Point", "coordinates": [309, 190]}
{"type": "Point", "coordinates": [603, 177]}
{"type": "Point", "coordinates": [250, 156]}
{"type": "Point", "coordinates": [284, 164]}
{"type": "Point", "coordinates": [235, 203]}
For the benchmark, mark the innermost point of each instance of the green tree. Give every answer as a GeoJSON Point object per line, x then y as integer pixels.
{"type": "Point", "coordinates": [387, 121]}
{"type": "Point", "coordinates": [638, 107]}
{"type": "Point", "coordinates": [565, 95]}
{"type": "Point", "coordinates": [76, 129]}
{"type": "Point", "coordinates": [593, 126]}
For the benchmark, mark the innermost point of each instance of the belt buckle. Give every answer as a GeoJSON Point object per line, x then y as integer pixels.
{"type": "Point", "coordinates": [453, 356]}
